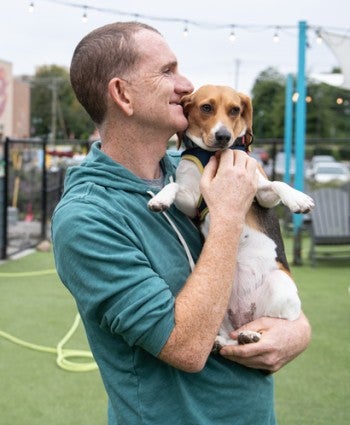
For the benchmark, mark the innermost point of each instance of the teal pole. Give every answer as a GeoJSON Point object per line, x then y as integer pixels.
{"type": "Point", "coordinates": [288, 126]}
{"type": "Point", "coordinates": [300, 137]}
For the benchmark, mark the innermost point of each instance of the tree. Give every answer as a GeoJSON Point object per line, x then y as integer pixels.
{"type": "Point", "coordinates": [328, 111]}
{"type": "Point", "coordinates": [55, 111]}
{"type": "Point", "coordinates": [328, 107]}
{"type": "Point", "coordinates": [268, 102]}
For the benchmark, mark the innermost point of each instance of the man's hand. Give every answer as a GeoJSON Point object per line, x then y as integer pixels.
{"type": "Point", "coordinates": [281, 342]}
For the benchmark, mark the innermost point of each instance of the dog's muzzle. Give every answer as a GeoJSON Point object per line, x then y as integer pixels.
{"type": "Point", "coordinates": [222, 138]}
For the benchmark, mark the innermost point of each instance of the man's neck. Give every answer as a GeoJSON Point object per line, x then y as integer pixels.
{"type": "Point", "coordinates": [139, 155]}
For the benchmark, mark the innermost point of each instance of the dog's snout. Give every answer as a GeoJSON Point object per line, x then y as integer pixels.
{"type": "Point", "coordinates": [222, 137]}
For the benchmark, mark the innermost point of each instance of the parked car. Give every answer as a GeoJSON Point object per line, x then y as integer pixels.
{"type": "Point", "coordinates": [316, 160]}
{"type": "Point", "coordinates": [326, 172]}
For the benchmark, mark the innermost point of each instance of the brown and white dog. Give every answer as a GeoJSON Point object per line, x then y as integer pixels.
{"type": "Point", "coordinates": [221, 118]}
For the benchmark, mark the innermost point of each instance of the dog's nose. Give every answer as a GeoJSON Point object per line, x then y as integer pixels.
{"type": "Point", "coordinates": [222, 137]}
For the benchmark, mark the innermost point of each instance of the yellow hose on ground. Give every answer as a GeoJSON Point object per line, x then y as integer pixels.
{"type": "Point", "coordinates": [62, 354]}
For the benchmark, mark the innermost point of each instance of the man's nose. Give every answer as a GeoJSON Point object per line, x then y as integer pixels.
{"type": "Point", "coordinates": [186, 85]}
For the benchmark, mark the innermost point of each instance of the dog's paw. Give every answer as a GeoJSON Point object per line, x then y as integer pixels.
{"type": "Point", "coordinates": [216, 347]}
{"type": "Point", "coordinates": [248, 337]}
{"type": "Point", "coordinates": [157, 205]}
{"type": "Point", "coordinates": [220, 342]}
{"type": "Point", "coordinates": [164, 199]}
{"type": "Point", "coordinates": [299, 202]}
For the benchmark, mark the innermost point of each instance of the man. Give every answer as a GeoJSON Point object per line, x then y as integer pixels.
{"type": "Point", "coordinates": [150, 321]}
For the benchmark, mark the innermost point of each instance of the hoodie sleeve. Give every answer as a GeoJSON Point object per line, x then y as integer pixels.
{"type": "Point", "coordinates": [113, 282]}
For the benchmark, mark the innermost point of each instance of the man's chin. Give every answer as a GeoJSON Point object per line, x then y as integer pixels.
{"type": "Point", "coordinates": [182, 125]}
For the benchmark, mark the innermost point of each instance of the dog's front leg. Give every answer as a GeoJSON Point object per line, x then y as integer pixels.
{"type": "Point", "coordinates": [265, 194]}
{"type": "Point", "coordinates": [164, 198]}
{"type": "Point", "coordinates": [188, 177]}
{"type": "Point", "coordinates": [269, 194]}
{"type": "Point", "coordinates": [185, 192]}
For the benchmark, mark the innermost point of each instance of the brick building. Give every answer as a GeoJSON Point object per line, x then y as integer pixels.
{"type": "Point", "coordinates": [14, 104]}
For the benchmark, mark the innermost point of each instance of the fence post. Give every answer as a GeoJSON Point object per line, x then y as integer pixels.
{"type": "Point", "coordinates": [5, 198]}
{"type": "Point", "coordinates": [44, 193]}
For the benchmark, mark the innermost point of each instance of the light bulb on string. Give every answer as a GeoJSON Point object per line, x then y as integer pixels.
{"type": "Point", "coordinates": [232, 36]}
{"type": "Point", "coordinates": [295, 97]}
{"type": "Point", "coordinates": [276, 37]}
{"type": "Point", "coordinates": [31, 7]}
{"type": "Point", "coordinates": [185, 31]}
{"type": "Point", "coordinates": [84, 18]}
{"type": "Point", "coordinates": [319, 38]}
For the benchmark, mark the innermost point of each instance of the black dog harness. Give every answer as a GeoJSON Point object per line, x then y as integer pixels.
{"type": "Point", "coordinates": [201, 157]}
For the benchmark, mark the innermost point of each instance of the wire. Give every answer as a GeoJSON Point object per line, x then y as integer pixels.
{"type": "Point", "coordinates": [199, 24]}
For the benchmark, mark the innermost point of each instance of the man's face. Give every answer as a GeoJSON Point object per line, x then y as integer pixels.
{"type": "Point", "coordinates": [157, 85]}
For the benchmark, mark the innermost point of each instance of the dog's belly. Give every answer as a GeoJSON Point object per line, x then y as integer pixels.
{"type": "Point", "coordinates": [260, 287]}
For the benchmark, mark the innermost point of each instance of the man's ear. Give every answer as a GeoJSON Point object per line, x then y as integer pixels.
{"type": "Point", "coordinates": [119, 93]}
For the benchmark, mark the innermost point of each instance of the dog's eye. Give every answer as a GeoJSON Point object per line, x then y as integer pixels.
{"type": "Point", "coordinates": [206, 108]}
{"type": "Point", "coordinates": [235, 110]}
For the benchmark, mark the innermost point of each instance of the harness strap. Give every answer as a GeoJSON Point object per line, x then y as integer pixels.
{"type": "Point", "coordinates": [201, 157]}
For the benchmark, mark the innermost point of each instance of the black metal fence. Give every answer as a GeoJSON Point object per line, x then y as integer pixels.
{"type": "Point", "coordinates": [31, 183]}
{"type": "Point", "coordinates": [32, 174]}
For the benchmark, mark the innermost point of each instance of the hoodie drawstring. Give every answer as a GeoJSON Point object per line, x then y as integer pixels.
{"type": "Point", "coordinates": [179, 235]}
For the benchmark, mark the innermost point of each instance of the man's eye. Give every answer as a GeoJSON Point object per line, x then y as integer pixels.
{"type": "Point", "coordinates": [206, 108]}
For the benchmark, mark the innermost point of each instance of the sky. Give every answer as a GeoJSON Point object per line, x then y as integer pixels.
{"type": "Point", "coordinates": [50, 33]}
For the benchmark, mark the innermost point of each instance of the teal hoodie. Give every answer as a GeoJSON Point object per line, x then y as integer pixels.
{"type": "Point", "coordinates": [124, 265]}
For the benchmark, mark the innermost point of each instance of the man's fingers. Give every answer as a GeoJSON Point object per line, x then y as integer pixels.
{"type": "Point", "coordinates": [210, 169]}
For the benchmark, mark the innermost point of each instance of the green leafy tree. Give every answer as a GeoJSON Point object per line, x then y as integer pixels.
{"type": "Point", "coordinates": [327, 108]}
{"type": "Point", "coordinates": [55, 111]}
{"type": "Point", "coordinates": [268, 103]}
{"type": "Point", "coordinates": [328, 111]}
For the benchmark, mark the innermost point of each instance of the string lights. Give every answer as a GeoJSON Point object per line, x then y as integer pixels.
{"type": "Point", "coordinates": [84, 18]}
{"type": "Point", "coordinates": [185, 31]}
{"type": "Point", "coordinates": [187, 23]}
{"type": "Point", "coordinates": [232, 37]}
{"type": "Point", "coordinates": [276, 36]}
{"type": "Point", "coordinates": [319, 38]}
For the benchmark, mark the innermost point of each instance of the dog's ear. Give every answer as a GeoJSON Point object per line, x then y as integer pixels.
{"type": "Point", "coordinates": [247, 115]}
{"type": "Point", "coordinates": [247, 112]}
{"type": "Point", "coordinates": [186, 102]}
{"type": "Point", "coordinates": [180, 135]}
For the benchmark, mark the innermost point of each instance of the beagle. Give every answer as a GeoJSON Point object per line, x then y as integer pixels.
{"type": "Point", "coordinates": [220, 118]}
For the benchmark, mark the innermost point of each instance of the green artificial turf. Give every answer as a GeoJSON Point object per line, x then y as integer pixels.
{"type": "Point", "coordinates": [34, 390]}
{"type": "Point", "coordinates": [313, 389]}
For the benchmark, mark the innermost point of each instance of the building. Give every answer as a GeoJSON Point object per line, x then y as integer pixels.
{"type": "Point", "coordinates": [14, 104]}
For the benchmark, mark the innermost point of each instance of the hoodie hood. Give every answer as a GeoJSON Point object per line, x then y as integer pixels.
{"type": "Point", "coordinates": [99, 168]}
